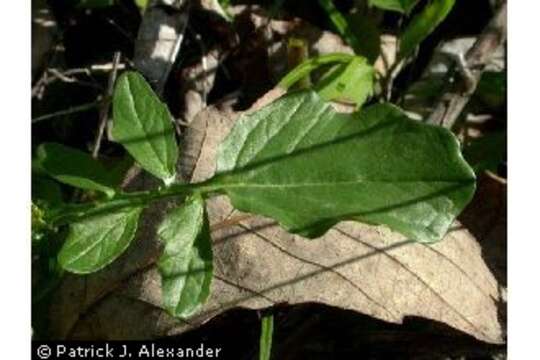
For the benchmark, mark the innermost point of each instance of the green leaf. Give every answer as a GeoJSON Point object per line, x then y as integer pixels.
{"type": "Point", "coordinates": [97, 241]}
{"type": "Point", "coordinates": [143, 124]}
{"type": "Point", "coordinates": [301, 163]}
{"type": "Point", "coordinates": [351, 83]}
{"type": "Point", "coordinates": [265, 341]}
{"type": "Point", "coordinates": [423, 24]}
{"type": "Point", "coordinates": [402, 6]}
{"type": "Point", "coordinates": [186, 264]}
{"type": "Point", "coordinates": [350, 80]}
{"type": "Point", "coordinates": [74, 167]}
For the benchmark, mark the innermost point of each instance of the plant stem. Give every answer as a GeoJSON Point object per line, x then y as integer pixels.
{"type": "Point", "coordinates": [73, 110]}
{"type": "Point", "coordinates": [78, 212]}
{"type": "Point", "coordinates": [265, 341]}
{"type": "Point", "coordinates": [297, 53]}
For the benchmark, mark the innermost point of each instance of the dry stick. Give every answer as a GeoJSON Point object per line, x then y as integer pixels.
{"type": "Point", "coordinates": [104, 111]}
{"type": "Point", "coordinates": [52, 75]}
{"type": "Point", "coordinates": [72, 110]}
{"type": "Point", "coordinates": [454, 99]}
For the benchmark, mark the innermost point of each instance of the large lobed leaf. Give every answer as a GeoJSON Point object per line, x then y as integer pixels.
{"type": "Point", "coordinates": [186, 264]}
{"type": "Point", "coordinates": [97, 241]}
{"type": "Point", "coordinates": [143, 124]}
{"type": "Point", "coordinates": [303, 164]}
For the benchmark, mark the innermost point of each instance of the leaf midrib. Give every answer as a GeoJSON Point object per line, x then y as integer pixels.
{"type": "Point", "coordinates": [339, 183]}
{"type": "Point", "coordinates": [141, 127]}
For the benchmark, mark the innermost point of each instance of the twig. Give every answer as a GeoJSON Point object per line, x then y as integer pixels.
{"type": "Point", "coordinates": [457, 95]}
{"type": "Point", "coordinates": [52, 75]}
{"type": "Point", "coordinates": [69, 111]}
{"type": "Point", "coordinates": [104, 111]}
{"type": "Point", "coordinates": [120, 29]}
{"type": "Point", "coordinates": [64, 77]}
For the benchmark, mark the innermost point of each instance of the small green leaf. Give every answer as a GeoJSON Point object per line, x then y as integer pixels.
{"type": "Point", "coordinates": [402, 6]}
{"type": "Point", "coordinates": [301, 163]}
{"type": "Point", "coordinates": [265, 341]}
{"type": "Point", "coordinates": [352, 82]}
{"type": "Point", "coordinates": [74, 167]}
{"type": "Point", "coordinates": [143, 125]}
{"type": "Point", "coordinates": [423, 24]}
{"type": "Point", "coordinates": [97, 241]}
{"type": "Point", "coordinates": [186, 264]}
